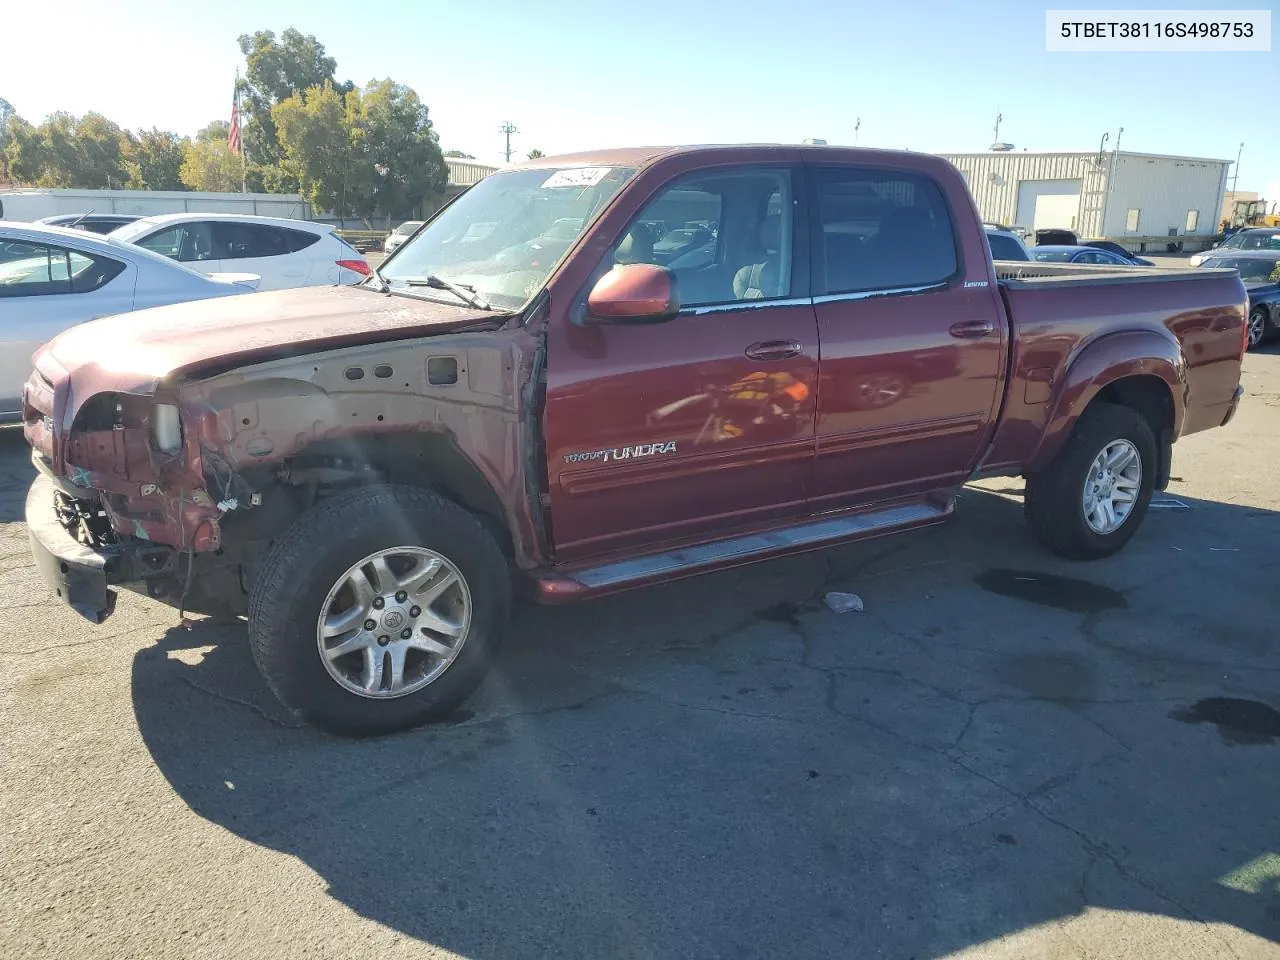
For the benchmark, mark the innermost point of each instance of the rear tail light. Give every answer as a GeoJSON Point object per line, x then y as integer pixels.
{"type": "Point", "coordinates": [359, 266]}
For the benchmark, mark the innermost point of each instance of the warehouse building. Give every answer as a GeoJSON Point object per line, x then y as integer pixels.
{"type": "Point", "coordinates": [1144, 201]}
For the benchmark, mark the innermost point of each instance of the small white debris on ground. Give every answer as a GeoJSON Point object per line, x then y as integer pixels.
{"type": "Point", "coordinates": [843, 602]}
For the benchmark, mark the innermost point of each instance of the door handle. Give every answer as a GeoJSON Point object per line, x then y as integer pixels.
{"type": "Point", "coordinates": [773, 350]}
{"type": "Point", "coordinates": [971, 329]}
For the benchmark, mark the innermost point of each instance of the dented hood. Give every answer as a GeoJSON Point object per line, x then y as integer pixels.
{"type": "Point", "coordinates": [132, 352]}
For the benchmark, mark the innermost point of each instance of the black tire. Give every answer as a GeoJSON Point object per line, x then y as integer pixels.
{"type": "Point", "coordinates": [1054, 498]}
{"type": "Point", "coordinates": [308, 559]}
{"type": "Point", "coordinates": [1259, 327]}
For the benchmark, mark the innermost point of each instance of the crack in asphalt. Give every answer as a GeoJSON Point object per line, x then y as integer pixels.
{"type": "Point", "coordinates": [78, 643]}
{"type": "Point", "coordinates": [227, 698]}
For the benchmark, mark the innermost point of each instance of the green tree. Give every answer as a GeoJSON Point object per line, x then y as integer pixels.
{"type": "Point", "coordinates": [210, 165]}
{"type": "Point", "coordinates": [369, 153]}
{"type": "Point", "coordinates": [458, 155]}
{"type": "Point", "coordinates": [153, 159]}
{"type": "Point", "coordinates": [6, 114]}
{"type": "Point", "coordinates": [216, 132]}
{"type": "Point", "coordinates": [24, 152]}
{"type": "Point", "coordinates": [319, 139]}
{"type": "Point", "coordinates": [66, 151]}
{"type": "Point", "coordinates": [398, 138]}
{"type": "Point", "coordinates": [535, 154]}
{"type": "Point", "coordinates": [100, 151]}
{"type": "Point", "coordinates": [277, 70]}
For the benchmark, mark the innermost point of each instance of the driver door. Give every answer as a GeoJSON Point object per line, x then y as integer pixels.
{"type": "Point", "coordinates": [703, 424]}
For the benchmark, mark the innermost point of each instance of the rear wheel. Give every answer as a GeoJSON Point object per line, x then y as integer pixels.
{"type": "Point", "coordinates": [1257, 327]}
{"type": "Point", "coordinates": [1092, 498]}
{"type": "Point", "coordinates": [379, 610]}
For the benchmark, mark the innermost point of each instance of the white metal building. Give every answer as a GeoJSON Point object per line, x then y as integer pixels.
{"type": "Point", "coordinates": [1137, 199]}
{"type": "Point", "coordinates": [33, 203]}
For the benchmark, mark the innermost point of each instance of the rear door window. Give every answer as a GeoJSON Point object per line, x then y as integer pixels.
{"type": "Point", "coordinates": [881, 230]}
{"type": "Point", "coordinates": [247, 241]}
{"type": "Point", "coordinates": [33, 270]}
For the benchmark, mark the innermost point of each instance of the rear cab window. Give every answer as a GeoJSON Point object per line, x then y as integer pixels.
{"type": "Point", "coordinates": [881, 230]}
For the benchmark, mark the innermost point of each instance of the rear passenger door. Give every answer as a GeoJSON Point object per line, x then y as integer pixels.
{"type": "Point", "coordinates": [263, 250]}
{"type": "Point", "coordinates": [913, 335]}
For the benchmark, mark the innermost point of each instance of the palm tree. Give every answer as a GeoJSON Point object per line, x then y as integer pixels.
{"type": "Point", "coordinates": [535, 154]}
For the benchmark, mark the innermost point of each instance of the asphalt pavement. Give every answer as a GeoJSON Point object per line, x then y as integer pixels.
{"type": "Point", "coordinates": [1005, 755]}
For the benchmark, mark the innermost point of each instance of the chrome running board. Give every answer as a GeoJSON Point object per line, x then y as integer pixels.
{"type": "Point", "coordinates": [741, 549]}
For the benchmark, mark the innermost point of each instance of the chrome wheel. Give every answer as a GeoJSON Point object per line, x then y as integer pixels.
{"type": "Point", "coordinates": [394, 622]}
{"type": "Point", "coordinates": [1112, 486]}
{"type": "Point", "coordinates": [1257, 328]}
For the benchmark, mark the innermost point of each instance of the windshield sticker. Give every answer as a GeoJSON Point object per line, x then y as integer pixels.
{"type": "Point", "coordinates": [577, 177]}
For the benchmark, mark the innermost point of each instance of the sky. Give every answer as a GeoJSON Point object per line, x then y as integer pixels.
{"type": "Point", "coordinates": [927, 76]}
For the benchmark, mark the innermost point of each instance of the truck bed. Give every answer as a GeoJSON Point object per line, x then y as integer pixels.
{"type": "Point", "coordinates": [1058, 311]}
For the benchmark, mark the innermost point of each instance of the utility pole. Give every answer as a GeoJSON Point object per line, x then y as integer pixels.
{"type": "Point", "coordinates": [856, 125]}
{"type": "Point", "coordinates": [508, 128]}
{"type": "Point", "coordinates": [1235, 177]}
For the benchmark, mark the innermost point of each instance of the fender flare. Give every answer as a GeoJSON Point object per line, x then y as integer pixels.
{"type": "Point", "coordinates": [1102, 362]}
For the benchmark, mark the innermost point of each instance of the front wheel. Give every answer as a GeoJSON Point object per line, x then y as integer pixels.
{"type": "Point", "coordinates": [379, 610]}
{"type": "Point", "coordinates": [1092, 498]}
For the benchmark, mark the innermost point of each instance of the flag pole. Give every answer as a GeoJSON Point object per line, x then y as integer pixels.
{"type": "Point", "coordinates": [239, 135]}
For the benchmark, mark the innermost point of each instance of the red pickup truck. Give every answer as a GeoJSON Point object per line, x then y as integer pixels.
{"type": "Point", "coordinates": [593, 372]}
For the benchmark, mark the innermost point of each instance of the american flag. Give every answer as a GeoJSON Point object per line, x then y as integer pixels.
{"type": "Point", "coordinates": [233, 135]}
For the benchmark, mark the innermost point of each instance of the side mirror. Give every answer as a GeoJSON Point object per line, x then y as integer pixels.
{"type": "Point", "coordinates": [633, 293]}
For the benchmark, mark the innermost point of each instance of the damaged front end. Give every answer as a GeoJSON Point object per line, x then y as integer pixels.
{"type": "Point", "coordinates": [120, 498]}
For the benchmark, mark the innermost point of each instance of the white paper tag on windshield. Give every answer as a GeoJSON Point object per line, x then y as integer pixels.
{"type": "Point", "coordinates": [577, 177]}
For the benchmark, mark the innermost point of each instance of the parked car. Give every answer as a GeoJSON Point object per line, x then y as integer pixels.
{"type": "Point", "coordinates": [1063, 253]}
{"type": "Point", "coordinates": [364, 472]}
{"type": "Point", "coordinates": [93, 222]}
{"type": "Point", "coordinates": [399, 235]}
{"type": "Point", "coordinates": [1112, 247]}
{"type": "Point", "coordinates": [1004, 244]}
{"type": "Point", "coordinates": [1247, 238]}
{"type": "Point", "coordinates": [52, 278]}
{"type": "Point", "coordinates": [284, 253]}
{"type": "Point", "coordinates": [1056, 236]}
{"type": "Point", "coordinates": [1260, 272]}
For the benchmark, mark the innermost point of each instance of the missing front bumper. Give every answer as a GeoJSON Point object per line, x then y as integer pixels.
{"type": "Point", "coordinates": [78, 575]}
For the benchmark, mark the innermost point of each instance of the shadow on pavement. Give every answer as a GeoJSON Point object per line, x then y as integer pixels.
{"type": "Point", "coordinates": [711, 769]}
{"type": "Point", "coordinates": [16, 473]}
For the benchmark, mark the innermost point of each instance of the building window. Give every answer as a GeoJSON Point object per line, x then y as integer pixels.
{"type": "Point", "coordinates": [1193, 220]}
{"type": "Point", "coordinates": [1131, 220]}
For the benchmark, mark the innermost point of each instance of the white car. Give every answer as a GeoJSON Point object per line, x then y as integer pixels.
{"type": "Point", "coordinates": [400, 234]}
{"type": "Point", "coordinates": [284, 253]}
{"type": "Point", "coordinates": [52, 278]}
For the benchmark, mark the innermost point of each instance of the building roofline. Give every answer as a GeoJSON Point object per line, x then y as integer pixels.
{"type": "Point", "coordinates": [1082, 153]}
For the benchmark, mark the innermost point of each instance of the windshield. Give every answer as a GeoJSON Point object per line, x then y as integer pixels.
{"type": "Point", "coordinates": [1249, 268]}
{"type": "Point", "coordinates": [407, 228]}
{"type": "Point", "coordinates": [504, 236]}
